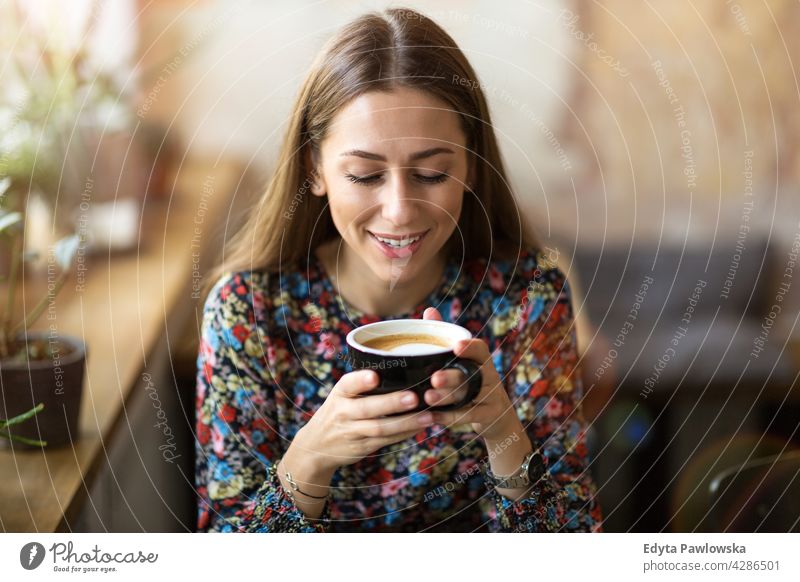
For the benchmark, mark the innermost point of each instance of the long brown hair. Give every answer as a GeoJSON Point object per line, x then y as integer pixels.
{"type": "Point", "coordinates": [378, 52]}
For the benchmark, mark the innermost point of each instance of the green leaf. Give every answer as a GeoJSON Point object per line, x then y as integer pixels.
{"type": "Point", "coordinates": [22, 417]}
{"type": "Point", "coordinates": [9, 219]}
{"type": "Point", "coordinates": [65, 250]}
{"type": "Point", "coordinates": [22, 439]}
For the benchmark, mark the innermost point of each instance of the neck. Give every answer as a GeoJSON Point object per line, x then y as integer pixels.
{"type": "Point", "coordinates": [360, 287]}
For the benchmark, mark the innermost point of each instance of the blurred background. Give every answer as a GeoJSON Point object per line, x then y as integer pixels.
{"type": "Point", "coordinates": [654, 145]}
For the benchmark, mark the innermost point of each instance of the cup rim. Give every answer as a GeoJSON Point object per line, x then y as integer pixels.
{"type": "Point", "coordinates": [431, 323]}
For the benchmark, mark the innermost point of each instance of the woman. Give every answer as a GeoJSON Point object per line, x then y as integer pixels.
{"type": "Point", "coordinates": [389, 200]}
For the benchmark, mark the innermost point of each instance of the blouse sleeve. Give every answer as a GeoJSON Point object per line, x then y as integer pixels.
{"type": "Point", "coordinates": [544, 384]}
{"type": "Point", "coordinates": [237, 443]}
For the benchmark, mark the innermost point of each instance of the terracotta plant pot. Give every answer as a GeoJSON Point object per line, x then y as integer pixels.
{"type": "Point", "coordinates": [55, 382]}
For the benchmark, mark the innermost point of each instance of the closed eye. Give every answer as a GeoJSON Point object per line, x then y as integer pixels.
{"type": "Point", "coordinates": [369, 179]}
{"type": "Point", "coordinates": [375, 178]}
{"type": "Point", "coordinates": [435, 179]}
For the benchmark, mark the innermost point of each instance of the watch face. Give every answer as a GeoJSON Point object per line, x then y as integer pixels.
{"type": "Point", "coordinates": [535, 467]}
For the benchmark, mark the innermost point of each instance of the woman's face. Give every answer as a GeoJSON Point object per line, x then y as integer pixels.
{"type": "Point", "coordinates": [394, 168]}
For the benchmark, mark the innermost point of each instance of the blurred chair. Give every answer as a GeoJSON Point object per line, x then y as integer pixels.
{"type": "Point", "coordinates": [718, 338]}
{"type": "Point", "coordinates": [762, 495]}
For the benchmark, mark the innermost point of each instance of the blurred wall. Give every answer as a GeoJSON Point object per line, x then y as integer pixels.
{"type": "Point", "coordinates": [710, 91]}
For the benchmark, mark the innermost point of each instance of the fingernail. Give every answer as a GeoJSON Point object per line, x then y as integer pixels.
{"type": "Point", "coordinates": [433, 396]}
{"type": "Point", "coordinates": [370, 378]}
{"type": "Point", "coordinates": [408, 399]}
{"type": "Point", "coordinates": [425, 419]}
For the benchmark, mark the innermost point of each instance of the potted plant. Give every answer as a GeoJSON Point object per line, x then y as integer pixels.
{"type": "Point", "coordinates": [65, 116]}
{"type": "Point", "coordinates": [48, 95]}
{"type": "Point", "coordinates": [41, 373]}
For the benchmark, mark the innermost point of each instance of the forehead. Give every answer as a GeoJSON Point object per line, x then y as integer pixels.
{"type": "Point", "coordinates": [395, 123]}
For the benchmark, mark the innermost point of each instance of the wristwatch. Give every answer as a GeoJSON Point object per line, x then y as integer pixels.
{"type": "Point", "coordinates": [529, 472]}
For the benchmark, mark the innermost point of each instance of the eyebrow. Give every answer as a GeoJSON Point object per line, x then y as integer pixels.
{"type": "Point", "coordinates": [414, 157]}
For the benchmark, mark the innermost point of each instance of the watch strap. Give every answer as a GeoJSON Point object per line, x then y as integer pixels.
{"type": "Point", "coordinates": [530, 471]}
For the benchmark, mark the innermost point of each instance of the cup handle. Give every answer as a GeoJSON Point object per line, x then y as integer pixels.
{"type": "Point", "coordinates": [474, 378]}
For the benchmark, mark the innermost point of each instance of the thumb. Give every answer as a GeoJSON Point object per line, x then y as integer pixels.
{"type": "Point", "coordinates": [432, 313]}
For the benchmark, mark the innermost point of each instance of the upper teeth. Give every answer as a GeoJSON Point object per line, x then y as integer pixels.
{"type": "Point", "coordinates": [400, 243]}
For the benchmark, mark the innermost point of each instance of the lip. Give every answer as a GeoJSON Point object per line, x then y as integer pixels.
{"type": "Point", "coordinates": [399, 236]}
{"type": "Point", "coordinates": [405, 252]}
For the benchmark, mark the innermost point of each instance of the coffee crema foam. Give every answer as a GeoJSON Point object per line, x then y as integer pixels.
{"type": "Point", "coordinates": [408, 342]}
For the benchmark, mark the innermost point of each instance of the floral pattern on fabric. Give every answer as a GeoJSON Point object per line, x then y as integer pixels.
{"type": "Point", "coordinates": [273, 346]}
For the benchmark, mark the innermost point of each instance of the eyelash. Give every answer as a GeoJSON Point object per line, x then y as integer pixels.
{"type": "Point", "coordinates": [372, 178]}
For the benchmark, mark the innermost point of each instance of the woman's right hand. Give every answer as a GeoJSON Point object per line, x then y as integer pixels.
{"type": "Point", "coordinates": [349, 426]}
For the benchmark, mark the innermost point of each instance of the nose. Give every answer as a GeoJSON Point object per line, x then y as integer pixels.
{"type": "Point", "coordinates": [398, 202]}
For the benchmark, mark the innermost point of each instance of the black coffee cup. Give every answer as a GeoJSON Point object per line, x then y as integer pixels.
{"type": "Point", "coordinates": [409, 366]}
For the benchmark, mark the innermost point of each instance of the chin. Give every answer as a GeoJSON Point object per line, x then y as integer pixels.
{"type": "Point", "coordinates": [399, 272]}
{"type": "Point", "coordinates": [402, 269]}
{"type": "Point", "coordinates": [395, 272]}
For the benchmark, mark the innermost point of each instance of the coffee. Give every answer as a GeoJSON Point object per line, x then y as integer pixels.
{"type": "Point", "coordinates": [406, 352]}
{"type": "Point", "coordinates": [407, 341]}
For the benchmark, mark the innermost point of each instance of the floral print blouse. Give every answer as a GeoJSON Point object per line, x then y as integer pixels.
{"type": "Point", "coordinates": [273, 346]}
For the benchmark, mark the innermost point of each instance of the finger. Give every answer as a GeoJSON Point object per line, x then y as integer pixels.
{"type": "Point", "coordinates": [355, 383]}
{"type": "Point", "coordinates": [432, 313]}
{"type": "Point", "coordinates": [449, 386]}
{"type": "Point", "coordinates": [393, 425]}
{"type": "Point", "coordinates": [380, 442]}
{"type": "Point", "coordinates": [472, 349]}
{"type": "Point", "coordinates": [382, 404]}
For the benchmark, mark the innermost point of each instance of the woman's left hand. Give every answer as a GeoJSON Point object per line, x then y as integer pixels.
{"type": "Point", "coordinates": [491, 414]}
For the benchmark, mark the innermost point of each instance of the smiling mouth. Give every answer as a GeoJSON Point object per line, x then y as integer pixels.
{"type": "Point", "coordinates": [401, 241]}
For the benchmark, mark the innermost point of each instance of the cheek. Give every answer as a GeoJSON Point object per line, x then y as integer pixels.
{"type": "Point", "coordinates": [348, 210]}
{"type": "Point", "coordinates": [446, 206]}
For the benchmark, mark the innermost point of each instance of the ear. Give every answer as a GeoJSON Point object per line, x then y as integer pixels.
{"type": "Point", "coordinates": [317, 181]}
